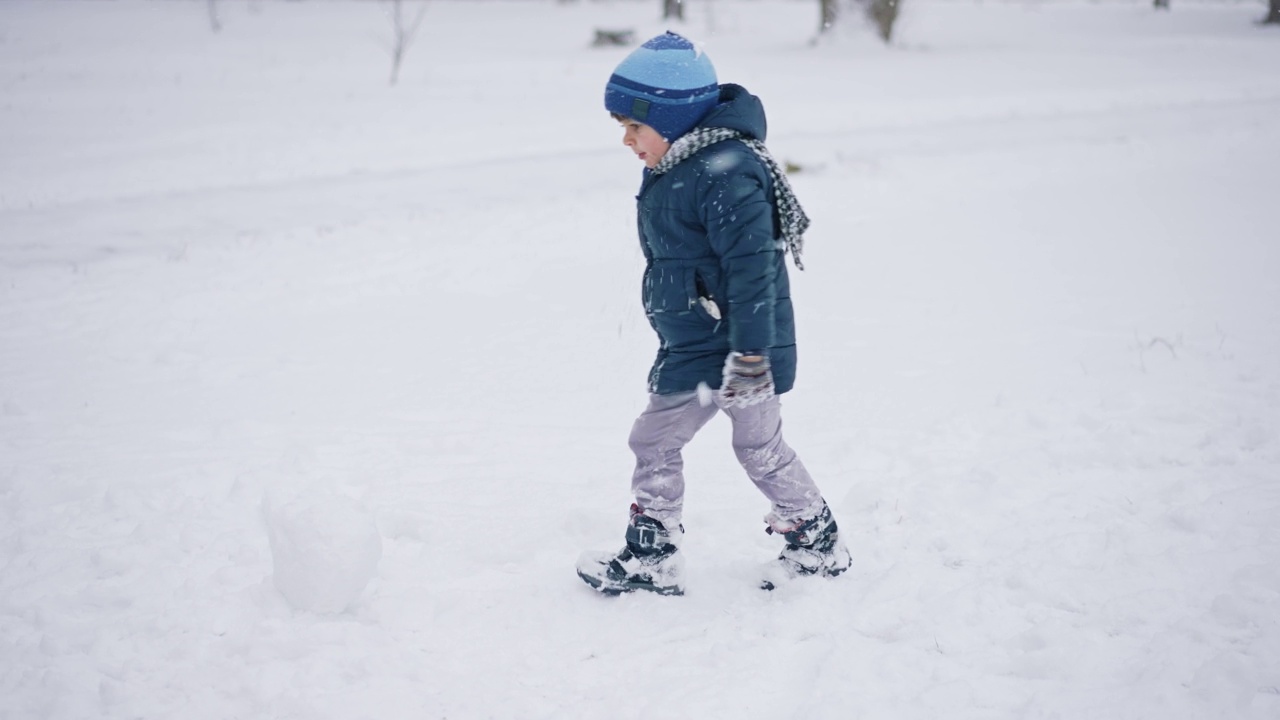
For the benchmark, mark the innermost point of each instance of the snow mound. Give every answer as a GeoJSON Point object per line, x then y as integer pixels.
{"type": "Point", "coordinates": [325, 549]}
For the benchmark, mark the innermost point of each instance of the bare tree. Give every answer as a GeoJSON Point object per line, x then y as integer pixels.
{"type": "Point", "coordinates": [883, 14]}
{"type": "Point", "coordinates": [1273, 13]}
{"type": "Point", "coordinates": [673, 9]}
{"type": "Point", "coordinates": [829, 11]}
{"type": "Point", "coordinates": [1160, 4]}
{"type": "Point", "coordinates": [402, 34]}
{"type": "Point", "coordinates": [214, 22]}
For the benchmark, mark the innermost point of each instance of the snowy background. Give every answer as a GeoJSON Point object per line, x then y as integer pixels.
{"type": "Point", "coordinates": [275, 335]}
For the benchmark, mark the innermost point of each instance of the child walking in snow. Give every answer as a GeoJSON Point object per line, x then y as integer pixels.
{"type": "Point", "coordinates": [716, 219]}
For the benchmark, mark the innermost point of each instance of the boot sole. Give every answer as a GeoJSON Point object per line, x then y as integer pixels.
{"type": "Point", "coordinates": [614, 589]}
{"type": "Point", "coordinates": [821, 573]}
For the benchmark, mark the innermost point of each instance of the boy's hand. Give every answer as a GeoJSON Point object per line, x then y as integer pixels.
{"type": "Point", "coordinates": [748, 380]}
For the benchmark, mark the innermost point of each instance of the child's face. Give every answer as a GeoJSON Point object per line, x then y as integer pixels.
{"type": "Point", "coordinates": [644, 141]}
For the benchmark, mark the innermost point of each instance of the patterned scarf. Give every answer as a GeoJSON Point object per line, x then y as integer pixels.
{"type": "Point", "coordinates": [793, 220]}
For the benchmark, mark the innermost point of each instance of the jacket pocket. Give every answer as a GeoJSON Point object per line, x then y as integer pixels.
{"type": "Point", "coordinates": [702, 296]}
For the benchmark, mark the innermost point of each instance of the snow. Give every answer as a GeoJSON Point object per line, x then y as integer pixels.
{"type": "Point", "coordinates": [325, 550]}
{"type": "Point", "coordinates": [248, 289]}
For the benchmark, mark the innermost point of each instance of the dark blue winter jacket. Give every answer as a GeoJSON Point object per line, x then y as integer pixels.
{"type": "Point", "coordinates": [713, 247]}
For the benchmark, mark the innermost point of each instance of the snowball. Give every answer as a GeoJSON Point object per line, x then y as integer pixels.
{"type": "Point", "coordinates": [706, 395]}
{"type": "Point", "coordinates": [325, 549]}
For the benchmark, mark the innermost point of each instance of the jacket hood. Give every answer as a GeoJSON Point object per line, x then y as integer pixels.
{"type": "Point", "coordinates": [738, 110]}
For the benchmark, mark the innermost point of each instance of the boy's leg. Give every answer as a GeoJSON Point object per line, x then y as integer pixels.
{"type": "Point", "coordinates": [657, 438]}
{"type": "Point", "coordinates": [651, 560]}
{"type": "Point", "coordinates": [771, 464]}
{"type": "Point", "coordinates": [799, 513]}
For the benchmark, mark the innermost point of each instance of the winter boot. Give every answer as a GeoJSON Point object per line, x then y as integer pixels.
{"type": "Point", "coordinates": [813, 548]}
{"type": "Point", "coordinates": [650, 561]}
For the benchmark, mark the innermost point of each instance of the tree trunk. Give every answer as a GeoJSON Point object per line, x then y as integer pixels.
{"type": "Point", "coordinates": [830, 10]}
{"type": "Point", "coordinates": [402, 33]}
{"type": "Point", "coordinates": [1273, 15]}
{"type": "Point", "coordinates": [398, 39]}
{"type": "Point", "coordinates": [673, 9]}
{"type": "Point", "coordinates": [884, 13]}
{"type": "Point", "coordinates": [214, 22]}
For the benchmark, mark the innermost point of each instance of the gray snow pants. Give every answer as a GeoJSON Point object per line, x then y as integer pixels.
{"type": "Point", "coordinates": [671, 421]}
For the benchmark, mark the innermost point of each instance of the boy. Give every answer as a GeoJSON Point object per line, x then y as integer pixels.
{"type": "Point", "coordinates": [716, 217]}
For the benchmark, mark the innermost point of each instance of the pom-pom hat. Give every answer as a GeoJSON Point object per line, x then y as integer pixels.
{"type": "Point", "coordinates": [667, 84]}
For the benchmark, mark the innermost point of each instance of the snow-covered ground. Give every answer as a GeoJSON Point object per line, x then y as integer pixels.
{"type": "Point", "coordinates": [263, 317]}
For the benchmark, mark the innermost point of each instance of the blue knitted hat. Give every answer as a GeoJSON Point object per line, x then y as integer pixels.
{"type": "Point", "coordinates": [666, 84]}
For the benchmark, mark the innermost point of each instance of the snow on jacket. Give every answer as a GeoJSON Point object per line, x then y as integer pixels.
{"type": "Point", "coordinates": [715, 279]}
